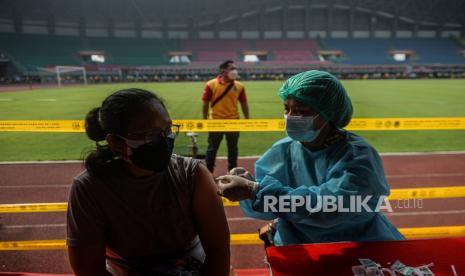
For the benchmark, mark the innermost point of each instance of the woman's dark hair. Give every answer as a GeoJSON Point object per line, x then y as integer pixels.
{"type": "Point", "coordinates": [114, 117]}
{"type": "Point", "coordinates": [225, 64]}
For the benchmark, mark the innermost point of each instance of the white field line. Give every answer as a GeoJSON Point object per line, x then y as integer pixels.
{"type": "Point", "coordinates": [41, 162]}
{"type": "Point", "coordinates": [424, 175]}
{"type": "Point", "coordinates": [422, 153]}
{"type": "Point", "coordinates": [33, 186]}
{"type": "Point", "coordinates": [388, 176]}
{"type": "Point", "coordinates": [239, 219]}
{"type": "Point", "coordinates": [394, 176]}
{"type": "Point", "coordinates": [46, 100]}
{"type": "Point", "coordinates": [393, 214]}
{"type": "Point", "coordinates": [25, 226]}
{"type": "Point", "coordinates": [426, 213]}
{"type": "Point", "coordinates": [241, 157]}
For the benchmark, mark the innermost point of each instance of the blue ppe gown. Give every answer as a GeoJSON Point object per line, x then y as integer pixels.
{"type": "Point", "coordinates": [350, 167]}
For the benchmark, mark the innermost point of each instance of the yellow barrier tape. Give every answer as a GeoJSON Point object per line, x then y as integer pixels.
{"type": "Point", "coordinates": [247, 239]}
{"type": "Point", "coordinates": [433, 232]}
{"type": "Point", "coordinates": [441, 192]}
{"type": "Point", "coordinates": [409, 233]}
{"type": "Point", "coordinates": [231, 125]}
{"type": "Point", "coordinates": [33, 207]}
{"type": "Point", "coordinates": [396, 194]}
{"type": "Point", "coordinates": [33, 245]}
{"type": "Point", "coordinates": [381, 124]}
{"type": "Point", "coordinates": [407, 124]}
{"type": "Point", "coordinates": [44, 126]}
{"type": "Point", "coordinates": [228, 203]}
{"type": "Point", "coordinates": [244, 239]}
{"type": "Point", "coordinates": [400, 194]}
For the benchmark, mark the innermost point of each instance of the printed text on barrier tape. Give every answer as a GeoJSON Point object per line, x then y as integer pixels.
{"type": "Point", "coordinates": [396, 194]}
{"type": "Point", "coordinates": [381, 124]}
{"type": "Point", "coordinates": [244, 239]}
{"type": "Point", "coordinates": [43, 126]}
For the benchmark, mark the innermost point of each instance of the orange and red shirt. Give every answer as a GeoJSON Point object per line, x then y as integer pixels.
{"type": "Point", "coordinates": [226, 108]}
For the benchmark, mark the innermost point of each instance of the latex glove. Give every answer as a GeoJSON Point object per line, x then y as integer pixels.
{"type": "Point", "coordinates": [240, 171]}
{"type": "Point", "coordinates": [236, 188]}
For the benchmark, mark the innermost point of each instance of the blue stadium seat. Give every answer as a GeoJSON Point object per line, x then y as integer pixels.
{"type": "Point", "coordinates": [376, 51]}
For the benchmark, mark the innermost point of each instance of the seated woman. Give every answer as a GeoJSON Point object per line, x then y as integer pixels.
{"type": "Point", "coordinates": [318, 159]}
{"type": "Point", "coordinates": [138, 209]}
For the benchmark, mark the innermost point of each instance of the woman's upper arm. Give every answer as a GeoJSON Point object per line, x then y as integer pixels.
{"type": "Point", "coordinates": [88, 259]}
{"type": "Point", "coordinates": [209, 213]}
{"type": "Point", "coordinates": [85, 234]}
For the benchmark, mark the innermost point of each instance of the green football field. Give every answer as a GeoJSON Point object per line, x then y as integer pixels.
{"type": "Point", "coordinates": [371, 99]}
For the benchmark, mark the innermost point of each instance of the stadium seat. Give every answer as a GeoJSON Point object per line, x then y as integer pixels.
{"type": "Point", "coordinates": [376, 51]}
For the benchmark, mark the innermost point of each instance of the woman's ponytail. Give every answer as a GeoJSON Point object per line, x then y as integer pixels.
{"type": "Point", "coordinates": [94, 129]}
{"type": "Point", "coordinates": [100, 158]}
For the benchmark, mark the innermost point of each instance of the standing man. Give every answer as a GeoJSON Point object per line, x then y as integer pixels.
{"type": "Point", "coordinates": [220, 97]}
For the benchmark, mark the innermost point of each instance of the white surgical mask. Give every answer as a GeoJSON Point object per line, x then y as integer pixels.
{"type": "Point", "coordinates": [301, 128]}
{"type": "Point", "coordinates": [233, 74]}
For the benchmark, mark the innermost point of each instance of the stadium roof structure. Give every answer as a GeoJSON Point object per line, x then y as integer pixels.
{"type": "Point", "coordinates": [242, 15]}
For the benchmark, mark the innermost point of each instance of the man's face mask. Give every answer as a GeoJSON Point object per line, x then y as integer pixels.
{"type": "Point", "coordinates": [233, 74]}
{"type": "Point", "coordinates": [301, 128]}
{"type": "Point", "coordinates": [154, 155]}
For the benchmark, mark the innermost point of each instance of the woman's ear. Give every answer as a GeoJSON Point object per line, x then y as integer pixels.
{"type": "Point", "coordinates": [116, 144]}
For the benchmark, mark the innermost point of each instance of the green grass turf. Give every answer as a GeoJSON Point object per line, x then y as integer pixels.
{"type": "Point", "coordinates": [371, 99]}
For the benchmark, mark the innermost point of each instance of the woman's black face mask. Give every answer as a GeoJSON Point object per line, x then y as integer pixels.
{"type": "Point", "coordinates": [153, 156]}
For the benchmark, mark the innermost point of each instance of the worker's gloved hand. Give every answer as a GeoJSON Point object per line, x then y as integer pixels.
{"type": "Point", "coordinates": [236, 188]}
{"type": "Point", "coordinates": [240, 171]}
